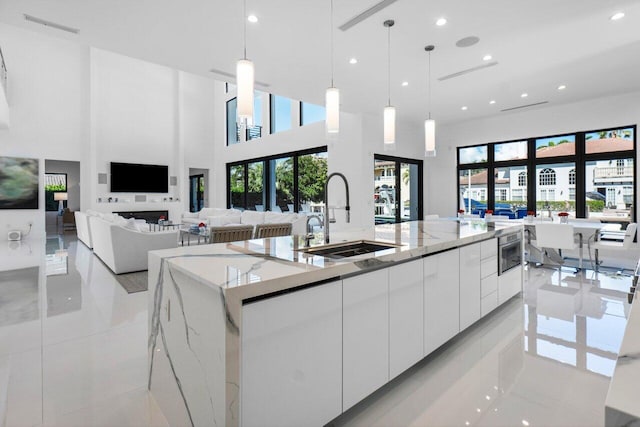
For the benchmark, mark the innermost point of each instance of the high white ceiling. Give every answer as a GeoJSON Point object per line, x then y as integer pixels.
{"type": "Point", "coordinates": [538, 46]}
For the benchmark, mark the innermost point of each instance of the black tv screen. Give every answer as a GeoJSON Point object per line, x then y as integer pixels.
{"type": "Point", "coordinates": [138, 178]}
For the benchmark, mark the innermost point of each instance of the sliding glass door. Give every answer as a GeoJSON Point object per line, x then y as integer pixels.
{"type": "Point", "coordinates": [397, 186]}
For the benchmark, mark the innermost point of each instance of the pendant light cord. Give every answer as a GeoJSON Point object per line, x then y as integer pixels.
{"type": "Point", "coordinates": [429, 86]}
{"type": "Point", "coordinates": [244, 21]}
{"type": "Point", "coordinates": [331, 23]}
{"type": "Point", "coordinates": [389, 63]}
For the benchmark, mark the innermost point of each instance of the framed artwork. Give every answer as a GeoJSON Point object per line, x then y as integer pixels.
{"type": "Point", "coordinates": [18, 183]}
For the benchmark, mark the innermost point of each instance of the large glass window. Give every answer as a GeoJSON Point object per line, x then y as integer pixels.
{"type": "Point", "coordinates": [280, 113]}
{"type": "Point", "coordinates": [473, 190]}
{"type": "Point", "coordinates": [236, 187]}
{"type": "Point", "coordinates": [281, 184]}
{"type": "Point", "coordinates": [312, 173]}
{"type": "Point", "coordinates": [311, 113]}
{"type": "Point", "coordinates": [255, 131]}
{"type": "Point", "coordinates": [588, 174]}
{"type": "Point", "coordinates": [272, 184]}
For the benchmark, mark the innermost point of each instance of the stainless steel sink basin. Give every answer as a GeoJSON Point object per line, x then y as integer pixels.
{"type": "Point", "coordinates": [348, 249]}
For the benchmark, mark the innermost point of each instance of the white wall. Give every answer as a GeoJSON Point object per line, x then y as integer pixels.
{"type": "Point", "coordinates": [48, 103]}
{"type": "Point", "coordinates": [72, 102]}
{"type": "Point", "coordinates": [601, 113]}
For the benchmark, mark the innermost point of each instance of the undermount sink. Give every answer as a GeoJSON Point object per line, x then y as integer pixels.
{"type": "Point", "coordinates": [348, 249]}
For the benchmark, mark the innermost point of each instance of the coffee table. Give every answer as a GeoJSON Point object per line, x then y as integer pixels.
{"type": "Point", "coordinates": [188, 232]}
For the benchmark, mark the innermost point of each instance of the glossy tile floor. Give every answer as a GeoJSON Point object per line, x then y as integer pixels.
{"type": "Point", "coordinates": [75, 345]}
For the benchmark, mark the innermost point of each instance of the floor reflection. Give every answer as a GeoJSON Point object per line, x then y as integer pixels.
{"type": "Point", "coordinates": [577, 319]}
{"type": "Point", "coordinates": [19, 296]}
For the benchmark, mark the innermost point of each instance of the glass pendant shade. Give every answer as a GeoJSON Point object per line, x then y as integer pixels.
{"type": "Point", "coordinates": [244, 81]}
{"type": "Point", "coordinates": [389, 125]}
{"type": "Point", "coordinates": [332, 104]}
{"type": "Point", "coordinates": [430, 138]}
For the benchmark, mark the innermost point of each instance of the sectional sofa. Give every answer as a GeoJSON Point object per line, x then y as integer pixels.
{"type": "Point", "coordinates": [217, 217]}
{"type": "Point", "coordinates": [122, 244]}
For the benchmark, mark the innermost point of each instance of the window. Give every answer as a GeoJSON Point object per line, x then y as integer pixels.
{"type": "Point", "coordinates": [547, 177]}
{"type": "Point", "coordinates": [611, 140]}
{"type": "Point", "coordinates": [54, 183]}
{"type": "Point", "coordinates": [280, 113]}
{"type": "Point", "coordinates": [272, 184]}
{"type": "Point", "coordinates": [236, 187]}
{"type": "Point", "coordinates": [609, 187]}
{"type": "Point", "coordinates": [473, 190]}
{"type": "Point", "coordinates": [472, 154]}
{"type": "Point", "coordinates": [311, 113]}
{"type": "Point", "coordinates": [556, 146]}
{"type": "Point", "coordinates": [572, 194]}
{"type": "Point", "coordinates": [572, 177]}
{"type": "Point", "coordinates": [255, 131]}
{"type": "Point", "coordinates": [501, 194]}
{"type": "Point", "coordinates": [510, 151]}
{"type": "Point", "coordinates": [517, 195]}
{"type": "Point", "coordinates": [522, 179]}
{"type": "Point", "coordinates": [233, 132]}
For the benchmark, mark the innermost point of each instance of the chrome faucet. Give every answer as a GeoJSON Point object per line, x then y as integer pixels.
{"type": "Point", "coordinates": [326, 203]}
{"type": "Point", "coordinates": [309, 234]}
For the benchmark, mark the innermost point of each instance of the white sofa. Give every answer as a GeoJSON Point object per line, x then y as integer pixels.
{"type": "Point", "coordinates": [83, 229]}
{"type": "Point", "coordinates": [123, 244]}
{"type": "Point", "coordinates": [217, 217]}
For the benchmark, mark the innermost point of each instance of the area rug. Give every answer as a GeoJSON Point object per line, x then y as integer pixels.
{"type": "Point", "coordinates": [133, 282]}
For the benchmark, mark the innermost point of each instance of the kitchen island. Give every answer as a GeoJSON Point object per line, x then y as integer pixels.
{"type": "Point", "coordinates": [262, 332]}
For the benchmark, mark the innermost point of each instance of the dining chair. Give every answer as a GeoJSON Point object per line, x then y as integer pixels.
{"type": "Point", "coordinates": [552, 236]}
{"type": "Point", "coordinates": [273, 230]}
{"type": "Point", "coordinates": [230, 233]}
{"type": "Point", "coordinates": [606, 245]}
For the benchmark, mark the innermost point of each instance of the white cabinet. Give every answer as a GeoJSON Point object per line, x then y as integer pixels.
{"type": "Point", "coordinates": [406, 311]}
{"type": "Point", "coordinates": [365, 335]}
{"type": "Point", "coordinates": [488, 276]}
{"type": "Point", "coordinates": [441, 298]}
{"type": "Point", "coordinates": [291, 372]}
{"type": "Point", "coordinates": [509, 284]}
{"type": "Point", "coordinates": [469, 285]}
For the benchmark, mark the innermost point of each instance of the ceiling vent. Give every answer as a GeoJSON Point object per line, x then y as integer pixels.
{"type": "Point", "coordinates": [525, 106]}
{"type": "Point", "coordinates": [50, 24]}
{"type": "Point", "coordinates": [366, 14]}
{"type": "Point", "coordinates": [233, 77]}
{"type": "Point", "coordinates": [469, 70]}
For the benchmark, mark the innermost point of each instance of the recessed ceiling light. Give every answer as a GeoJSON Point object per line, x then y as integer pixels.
{"type": "Point", "coordinates": [616, 16]}
{"type": "Point", "coordinates": [353, 61]}
{"type": "Point", "coordinates": [252, 18]}
{"type": "Point", "coordinates": [524, 95]}
{"type": "Point", "coordinates": [487, 58]}
{"type": "Point", "coordinates": [405, 83]}
{"type": "Point", "coordinates": [525, 422]}
{"type": "Point", "coordinates": [562, 87]}
{"type": "Point", "coordinates": [441, 21]}
{"type": "Point", "coordinates": [464, 108]}
{"type": "Point", "coordinates": [492, 102]}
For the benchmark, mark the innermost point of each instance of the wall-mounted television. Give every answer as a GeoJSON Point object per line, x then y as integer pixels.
{"type": "Point", "coordinates": [139, 178]}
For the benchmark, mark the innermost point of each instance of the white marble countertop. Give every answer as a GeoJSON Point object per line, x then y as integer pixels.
{"type": "Point", "coordinates": [260, 267]}
{"type": "Point", "coordinates": [622, 405]}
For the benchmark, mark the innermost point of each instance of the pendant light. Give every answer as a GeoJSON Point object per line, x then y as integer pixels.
{"type": "Point", "coordinates": [389, 111]}
{"type": "Point", "coordinates": [429, 123]}
{"type": "Point", "coordinates": [332, 97]}
{"type": "Point", "coordinates": [245, 79]}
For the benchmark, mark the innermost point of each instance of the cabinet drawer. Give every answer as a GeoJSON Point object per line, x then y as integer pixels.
{"type": "Point", "coordinates": [488, 304]}
{"type": "Point", "coordinates": [488, 266]}
{"type": "Point", "coordinates": [489, 248]}
{"type": "Point", "coordinates": [488, 285]}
